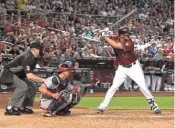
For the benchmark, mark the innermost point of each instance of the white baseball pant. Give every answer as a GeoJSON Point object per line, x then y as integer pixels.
{"type": "Point", "coordinates": [127, 83]}
{"type": "Point", "coordinates": [135, 73]}
{"type": "Point", "coordinates": [155, 79]}
{"type": "Point", "coordinates": [148, 80]}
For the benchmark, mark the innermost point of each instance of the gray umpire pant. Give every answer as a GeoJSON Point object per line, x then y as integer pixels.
{"type": "Point", "coordinates": [24, 93]}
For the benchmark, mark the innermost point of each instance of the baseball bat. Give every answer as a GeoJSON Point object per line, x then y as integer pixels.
{"type": "Point", "coordinates": [126, 16]}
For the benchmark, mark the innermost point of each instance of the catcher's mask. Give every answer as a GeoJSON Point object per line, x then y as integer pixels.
{"type": "Point", "coordinates": [69, 63]}
{"type": "Point", "coordinates": [63, 67]}
{"type": "Point", "coordinates": [123, 31]}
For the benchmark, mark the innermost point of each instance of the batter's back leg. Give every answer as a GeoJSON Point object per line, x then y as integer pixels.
{"type": "Point", "coordinates": [138, 77]}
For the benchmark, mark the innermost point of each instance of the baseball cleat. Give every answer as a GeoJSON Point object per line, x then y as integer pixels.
{"type": "Point", "coordinates": [156, 109]}
{"type": "Point", "coordinates": [64, 113]}
{"type": "Point", "coordinates": [12, 111]}
{"type": "Point", "coordinates": [100, 111]}
{"type": "Point", "coordinates": [158, 112]}
{"type": "Point", "coordinates": [154, 106]}
{"type": "Point", "coordinates": [26, 111]}
{"type": "Point", "coordinates": [48, 114]}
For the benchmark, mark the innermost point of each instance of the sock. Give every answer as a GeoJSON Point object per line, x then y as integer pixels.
{"type": "Point", "coordinates": [151, 102]}
{"type": "Point", "coordinates": [22, 108]}
{"type": "Point", "coordinates": [153, 105]}
{"type": "Point", "coordinates": [9, 107]}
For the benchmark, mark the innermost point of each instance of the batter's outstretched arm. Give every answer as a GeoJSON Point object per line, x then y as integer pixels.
{"type": "Point", "coordinates": [113, 43]}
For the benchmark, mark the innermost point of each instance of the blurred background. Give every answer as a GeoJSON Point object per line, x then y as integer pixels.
{"type": "Point", "coordinates": [65, 27]}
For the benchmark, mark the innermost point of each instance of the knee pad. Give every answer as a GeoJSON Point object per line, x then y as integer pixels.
{"type": "Point", "coordinates": [75, 99]}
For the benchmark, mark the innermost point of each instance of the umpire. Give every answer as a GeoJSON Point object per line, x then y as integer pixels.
{"type": "Point", "coordinates": [22, 79]}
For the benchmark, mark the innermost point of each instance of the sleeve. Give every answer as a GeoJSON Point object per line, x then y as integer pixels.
{"type": "Point", "coordinates": [145, 64]}
{"type": "Point", "coordinates": [52, 82]}
{"type": "Point", "coordinates": [113, 37]}
{"type": "Point", "coordinates": [166, 63]}
{"type": "Point", "coordinates": [158, 64]}
{"type": "Point", "coordinates": [128, 45]}
{"type": "Point", "coordinates": [170, 65]}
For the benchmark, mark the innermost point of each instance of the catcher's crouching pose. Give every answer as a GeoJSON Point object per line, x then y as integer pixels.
{"type": "Point", "coordinates": [58, 95]}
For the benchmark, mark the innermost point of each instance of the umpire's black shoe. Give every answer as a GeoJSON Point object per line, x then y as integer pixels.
{"type": "Point", "coordinates": [26, 111]}
{"type": "Point", "coordinates": [12, 111]}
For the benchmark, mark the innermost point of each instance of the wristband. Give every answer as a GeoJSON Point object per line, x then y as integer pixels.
{"type": "Point", "coordinates": [76, 89]}
{"type": "Point", "coordinates": [49, 93]}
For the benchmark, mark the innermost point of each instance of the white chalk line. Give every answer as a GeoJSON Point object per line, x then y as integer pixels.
{"type": "Point", "coordinates": [117, 116]}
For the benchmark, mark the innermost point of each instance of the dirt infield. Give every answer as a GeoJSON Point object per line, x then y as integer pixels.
{"type": "Point", "coordinates": [86, 118]}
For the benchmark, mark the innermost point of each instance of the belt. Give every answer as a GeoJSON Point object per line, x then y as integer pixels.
{"type": "Point", "coordinates": [130, 65]}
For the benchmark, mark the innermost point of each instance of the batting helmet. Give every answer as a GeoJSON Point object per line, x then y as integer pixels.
{"type": "Point", "coordinates": [63, 67]}
{"type": "Point", "coordinates": [123, 30]}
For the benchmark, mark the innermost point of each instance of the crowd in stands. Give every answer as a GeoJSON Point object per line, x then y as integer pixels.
{"type": "Point", "coordinates": [62, 25]}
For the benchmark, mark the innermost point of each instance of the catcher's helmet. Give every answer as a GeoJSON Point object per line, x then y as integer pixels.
{"type": "Point", "coordinates": [69, 63]}
{"type": "Point", "coordinates": [123, 30]}
{"type": "Point", "coordinates": [63, 67]}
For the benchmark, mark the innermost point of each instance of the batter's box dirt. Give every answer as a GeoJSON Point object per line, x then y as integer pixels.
{"type": "Point", "coordinates": [86, 118]}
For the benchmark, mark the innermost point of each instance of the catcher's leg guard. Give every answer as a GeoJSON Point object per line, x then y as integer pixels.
{"type": "Point", "coordinates": [52, 108]}
{"type": "Point", "coordinates": [65, 111]}
{"type": "Point", "coordinates": [75, 100]}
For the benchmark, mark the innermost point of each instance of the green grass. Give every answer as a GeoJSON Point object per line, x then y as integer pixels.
{"type": "Point", "coordinates": [126, 102]}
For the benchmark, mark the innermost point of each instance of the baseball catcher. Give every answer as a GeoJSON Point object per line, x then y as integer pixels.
{"type": "Point", "coordinates": [58, 94]}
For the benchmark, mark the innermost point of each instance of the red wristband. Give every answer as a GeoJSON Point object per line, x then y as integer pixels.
{"type": "Point", "coordinates": [76, 89]}
{"type": "Point", "coordinates": [49, 93]}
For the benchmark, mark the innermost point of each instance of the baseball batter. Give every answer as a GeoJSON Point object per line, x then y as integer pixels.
{"type": "Point", "coordinates": [128, 66]}
{"type": "Point", "coordinates": [58, 94]}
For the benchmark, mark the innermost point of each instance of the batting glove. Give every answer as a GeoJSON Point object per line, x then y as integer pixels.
{"type": "Point", "coordinates": [106, 29]}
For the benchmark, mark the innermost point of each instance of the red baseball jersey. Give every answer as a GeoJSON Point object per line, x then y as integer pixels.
{"type": "Point", "coordinates": [126, 55]}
